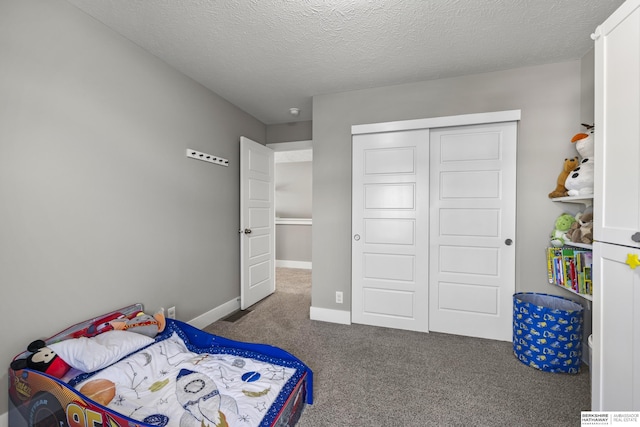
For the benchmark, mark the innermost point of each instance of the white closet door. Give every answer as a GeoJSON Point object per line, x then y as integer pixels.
{"type": "Point", "coordinates": [472, 232]}
{"type": "Point", "coordinates": [390, 229]}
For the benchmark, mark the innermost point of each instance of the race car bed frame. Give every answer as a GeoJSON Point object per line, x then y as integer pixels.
{"type": "Point", "coordinates": [183, 377]}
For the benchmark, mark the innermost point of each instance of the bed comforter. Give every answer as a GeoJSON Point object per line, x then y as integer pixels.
{"type": "Point", "coordinates": [174, 382]}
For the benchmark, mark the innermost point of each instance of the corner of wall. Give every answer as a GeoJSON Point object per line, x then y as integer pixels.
{"type": "Point", "coordinates": [329, 315]}
{"type": "Point", "coordinates": [215, 314]}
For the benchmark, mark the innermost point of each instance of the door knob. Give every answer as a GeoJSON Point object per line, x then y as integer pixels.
{"type": "Point", "coordinates": [636, 237]}
{"type": "Point", "coordinates": [508, 242]}
{"type": "Point", "coordinates": [356, 237]}
{"type": "Point", "coordinates": [247, 231]}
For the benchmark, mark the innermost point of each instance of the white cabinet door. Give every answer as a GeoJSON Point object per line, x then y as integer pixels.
{"type": "Point", "coordinates": [616, 315]}
{"type": "Point", "coordinates": [390, 229]}
{"type": "Point", "coordinates": [617, 127]}
{"type": "Point", "coordinates": [616, 330]}
{"type": "Point", "coordinates": [472, 233]}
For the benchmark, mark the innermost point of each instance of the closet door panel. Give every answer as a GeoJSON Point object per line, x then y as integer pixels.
{"type": "Point", "coordinates": [390, 229]}
{"type": "Point", "coordinates": [472, 214]}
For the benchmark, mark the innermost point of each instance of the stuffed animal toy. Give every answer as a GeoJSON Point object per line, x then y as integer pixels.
{"type": "Point", "coordinates": [580, 181]}
{"type": "Point", "coordinates": [568, 166]}
{"type": "Point", "coordinates": [584, 143]}
{"type": "Point", "coordinates": [559, 234]}
{"type": "Point", "coordinates": [574, 231]}
{"type": "Point", "coordinates": [42, 359]}
{"type": "Point", "coordinates": [586, 228]}
{"type": "Point", "coordinates": [142, 323]}
{"type": "Point", "coordinates": [582, 230]}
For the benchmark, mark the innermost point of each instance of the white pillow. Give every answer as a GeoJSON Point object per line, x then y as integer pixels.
{"type": "Point", "coordinates": [92, 354]}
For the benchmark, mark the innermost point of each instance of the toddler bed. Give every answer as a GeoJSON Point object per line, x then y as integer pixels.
{"type": "Point", "coordinates": [182, 377]}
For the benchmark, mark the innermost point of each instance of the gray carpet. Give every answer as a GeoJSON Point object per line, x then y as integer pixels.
{"type": "Point", "coordinates": [371, 376]}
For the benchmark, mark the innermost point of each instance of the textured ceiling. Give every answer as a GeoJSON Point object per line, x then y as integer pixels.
{"type": "Point", "coordinates": [266, 56]}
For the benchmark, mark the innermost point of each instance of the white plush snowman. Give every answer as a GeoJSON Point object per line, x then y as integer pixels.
{"type": "Point", "coordinates": [580, 180]}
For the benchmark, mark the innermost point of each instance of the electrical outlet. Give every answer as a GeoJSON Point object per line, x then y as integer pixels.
{"type": "Point", "coordinates": [171, 312]}
{"type": "Point", "coordinates": [339, 297]}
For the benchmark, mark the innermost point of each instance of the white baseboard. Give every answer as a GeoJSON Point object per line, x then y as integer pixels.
{"type": "Point", "coordinates": [306, 265]}
{"type": "Point", "coordinates": [216, 314]}
{"type": "Point", "coordinates": [329, 315]}
{"type": "Point", "coordinates": [4, 420]}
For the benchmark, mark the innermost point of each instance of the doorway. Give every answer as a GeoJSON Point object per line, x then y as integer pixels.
{"type": "Point", "coordinates": [293, 203]}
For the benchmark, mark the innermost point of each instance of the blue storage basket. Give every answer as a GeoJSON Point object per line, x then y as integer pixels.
{"type": "Point", "coordinates": [547, 332]}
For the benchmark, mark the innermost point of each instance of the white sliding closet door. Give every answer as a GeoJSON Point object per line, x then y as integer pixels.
{"type": "Point", "coordinates": [472, 215]}
{"type": "Point", "coordinates": [390, 229]}
{"type": "Point", "coordinates": [433, 224]}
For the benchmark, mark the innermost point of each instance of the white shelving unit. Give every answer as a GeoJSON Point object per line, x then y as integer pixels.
{"type": "Point", "coordinates": [581, 245]}
{"type": "Point", "coordinates": [585, 296]}
{"type": "Point", "coordinates": [586, 201]}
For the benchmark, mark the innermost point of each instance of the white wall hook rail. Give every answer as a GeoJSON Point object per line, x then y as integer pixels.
{"type": "Point", "coordinates": [194, 154]}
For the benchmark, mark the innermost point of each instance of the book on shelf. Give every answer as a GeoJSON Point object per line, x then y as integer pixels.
{"type": "Point", "coordinates": [584, 260]}
{"type": "Point", "coordinates": [588, 262]}
{"type": "Point", "coordinates": [570, 268]}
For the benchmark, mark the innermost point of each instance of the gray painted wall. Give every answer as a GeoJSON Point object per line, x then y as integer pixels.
{"type": "Point", "coordinates": [288, 132]}
{"type": "Point", "coordinates": [587, 89]}
{"type": "Point", "coordinates": [293, 189]}
{"type": "Point", "coordinates": [293, 200]}
{"type": "Point", "coordinates": [99, 206]}
{"type": "Point", "coordinates": [293, 242]}
{"type": "Point", "coordinates": [550, 99]}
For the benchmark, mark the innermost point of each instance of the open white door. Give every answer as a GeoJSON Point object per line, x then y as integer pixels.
{"type": "Point", "coordinates": [257, 223]}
